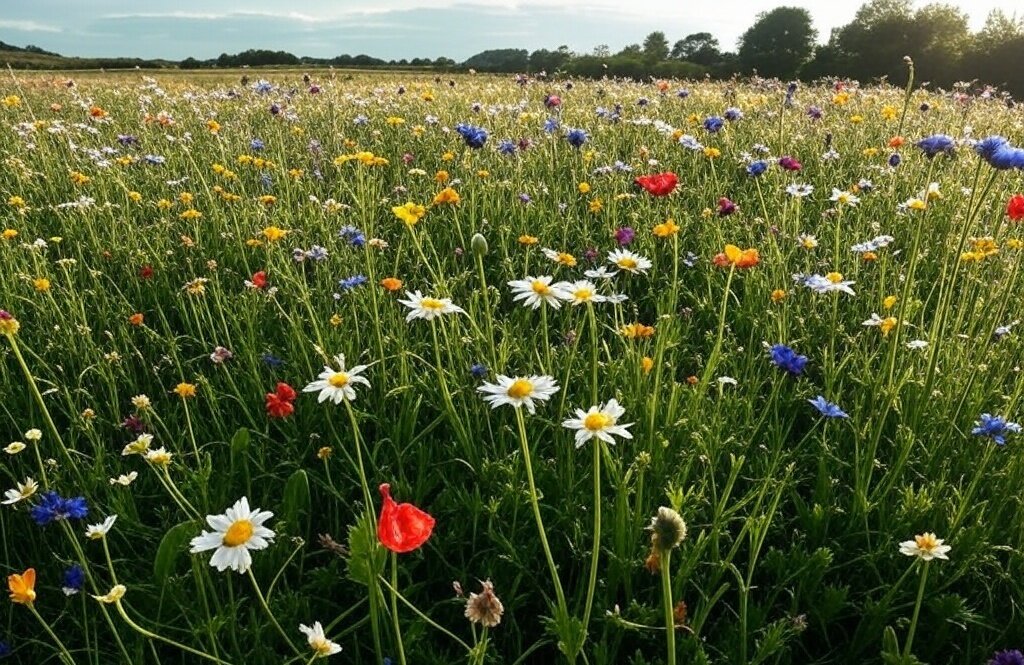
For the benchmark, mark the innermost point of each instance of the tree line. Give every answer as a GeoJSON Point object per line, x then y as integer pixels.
{"type": "Point", "coordinates": [782, 43]}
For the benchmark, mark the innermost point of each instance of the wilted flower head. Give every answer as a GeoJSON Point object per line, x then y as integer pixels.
{"type": "Point", "coordinates": [667, 529]}
{"type": "Point", "coordinates": [484, 608]}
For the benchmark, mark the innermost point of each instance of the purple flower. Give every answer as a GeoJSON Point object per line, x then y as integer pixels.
{"type": "Point", "coordinates": [624, 235]}
{"type": "Point", "coordinates": [1007, 657]}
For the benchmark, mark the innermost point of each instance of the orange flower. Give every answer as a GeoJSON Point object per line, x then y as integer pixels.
{"type": "Point", "coordinates": [391, 283]}
{"type": "Point", "coordinates": [23, 587]}
{"type": "Point", "coordinates": [734, 256]}
{"type": "Point", "coordinates": [136, 319]}
{"type": "Point", "coordinates": [896, 142]}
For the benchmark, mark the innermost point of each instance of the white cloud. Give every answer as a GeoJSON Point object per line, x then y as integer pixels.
{"type": "Point", "coordinates": [27, 26]}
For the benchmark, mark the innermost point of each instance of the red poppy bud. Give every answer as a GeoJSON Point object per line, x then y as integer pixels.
{"type": "Point", "coordinates": [402, 526]}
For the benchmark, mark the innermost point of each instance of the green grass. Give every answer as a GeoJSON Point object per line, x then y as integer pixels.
{"type": "Point", "coordinates": [794, 521]}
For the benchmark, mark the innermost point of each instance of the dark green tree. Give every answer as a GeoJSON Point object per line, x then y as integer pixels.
{"type": "Point", "coordinates": [700, 47]}
{"type": "Point", "coordinates": [655, 48]}
{"type": "Point", "coordinates": [779, 43]}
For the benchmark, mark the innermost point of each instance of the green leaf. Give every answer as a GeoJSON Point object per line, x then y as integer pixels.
{"type": "Point", "coordinates": [171, 547]}
{"type": "Point", "coordinates": [366, 557]}
{"type": "Point", "coordinates": [296, 497]}
{"type": "Point", "coordinates": [240, 457]}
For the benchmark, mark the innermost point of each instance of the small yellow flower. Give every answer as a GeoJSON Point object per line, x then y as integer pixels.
{"type": "Point", "coordinates": [41, 284]}
{"type": "Point", "coordinates": [186, 198]}
{"type": "Point", "coordinates": [778, 295]}
{"type": "Point", "coordinates": [528, 240]}
{"type": "Point", "coordinates": [596, 205]}
{"type": "Point", "coordinates": [213, 126]}
{"type": "Point", "coordinates": [637, 331]}
{"type": "Point", "coordinates": [11, 101]}
{"type": "Point", "coordinates": [889, 302]}
{"type": "Point", "coordinates": [164, 204]}
{"type": "Point", "coordinates": [273, 233]}
{"type": "Point", "coordinates": [841, 98]}
{"type": "Point", "coordinates": [916, 204]}
{"type": "Point", "coordinates": [394, 121]}
{"type": "Point", "coordinates": [666, 229]}
{"type": "Point", "coordinates": [185, 390]}
{"type": "Point", "coordinates": [114, 595]}
{"type": "Point", "coordinates": [887, 325]}
{"type": "Point", "coordinates": [295, 174]}
{"type": "Point", "coordinates": [441, 177]}
{"type": "Point", "coordinates": [10, 234]}
{"type": "Point", "coordinates": [888, 112]}
{"type": "Point", "coordinates": [410, 213]}
{"type": "Point", "coordinates": [190, 214]}
{"type": "Point", "coordinates": [8, 324]}
{"type": "Point", "coordinates": [1014, 243]}
{"type": "Point", "coordinates": [448, 156]}
{"type": "Point", "coordinates": [583, 188]}
{"type": "Point", "coordinates": [16, 202]}
{"type": "Point", "coordinates": [446, 196]}
{"type": "Point", "coordinates": [134, 197]}
{"type": "Point", "coordinates": [79, 178]}
{"type": "Point", "coordinates": [324, 453]}
{"type": "Point", "coordinates": [646, 364]}
{"type": "Point", "coordinates": [856, 119]}
{"type": "Point", "coordinates": [336, 320]}
{"type": "Point", "coordinates": [267, 199]}
{"type": "Point", "coordinates": [712, 153]}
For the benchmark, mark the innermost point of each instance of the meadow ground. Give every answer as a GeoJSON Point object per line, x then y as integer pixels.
{"type": "Point", "coordinates": [679, 371]}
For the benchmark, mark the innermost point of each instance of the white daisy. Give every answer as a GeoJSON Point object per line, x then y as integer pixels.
{"type": "Point", "coordinates": [629, 261]}
{"type": "Point", "coordinates": [840, 196]}
{"type": "Point", "coordinates": [97, 531]}
{"type": "Point", "coordinates": [579, 293]}
{"type": "Point", "coordinates": [427, 308]}
{"type": "Point", "coordinates": [140, 446]}
{"type": "Point", "coordinates": [24, 491]}
{"type": "Point", "coordinates": [536, 291]}
{"type": "Point", "coordinates": [917, 344]}
{"type": "Point", "coordinates": [336, 384]}
{"type": "Point", "coordinates": [234, 533]}
{"type": "Point", "coordinates": [125, 479]}
{"type": "Point", "coordinates": [599, 422]}
{"type": "Point", "coordinates": [321, 646]}
{"type": "Point", "coordinates": [600, 272]}
{"type": "Point", "coordinates": [517, 391]}
{"type": "Point", "coordinates": [799, 190]}
{"type": "Point", "coordinates": [826, 283]}
{"type": "Point", "coordinates": [925, 546]}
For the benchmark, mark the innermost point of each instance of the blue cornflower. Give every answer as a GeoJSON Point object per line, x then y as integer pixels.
{"type": "Point", "coordinates": [894, 159]}
{"type": "Point", "coordinates": [987, 147]}
{"type": "Point", "coordinates": [52, 507]}
{"type": "Point", "coordinates": [256, 145]}
{"type": "Point", "coordinates": [127, 139]}
{"type": "Point", "coordinates": [757, 168]}
{"type": "Point", "coordinates": [360, 120]}
{"type": "Point", "coordinates": [576, 137]}
{"type": "Point", "coordinates": [262, 86]}
{"type": "Point", "coordinates": [1007, 657]}
{"type": "Point", "coordinates": [551, 125]}
{"type": "Point", "coordinates": [814, 112]}
{"type": "Point", "coordinates": [732, 114]}
{"type": "Point", "coordinates": [353, 235]}
{"type": "Point", "coordinates": [74, 580]}
{"type": "Point", "coordinates": [155, 159]}
{"type": "Point", "coordinates": [994, 427]}
{"type": "Point", "coordinates": [682, 93]}
{"type": "Point", "coordinates": [350, 283]}
{"type": "Point", "coordinates": [299, 255]}
{"type": "Point", "coordinates": [787, 359]}
{"type": "Point", "coordinates": [713, 124]}
{"type": "Point", "coordinates": [827, 408]}
{"type": "Point", "coordinates": [5, 649]}
{"type": "Point", "coordinates": [935, 144]}
{"type": "Point", "coordinates": [998, 152]}
{"type": "Point", "coordinates": [478, 370]}
{"type": "Point", "coordinates": [271, 360]}
{"type": "Point", "coordinates": [267, 181]}
{"type": "Point", "coordinates": [643, 101]}
{"type": "Point", "coordinates": [507, 147]}
{"type": "Point", "coordinates": [318, 253]}
{"type": "Point", "coordinates": [474, 136]}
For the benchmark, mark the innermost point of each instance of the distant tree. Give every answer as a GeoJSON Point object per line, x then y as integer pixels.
{"type": "Point", "coordinates": [700, 47]}
{"type": "Point", "coordinates": [779, 42]}
{"type": "Point", "coordinates": [942, 37]}
{"type": "Point", "coordinates": [632, 50]}
{"type": "Point", "coordinates": [601, 51]}
{"type": "Point", "coordinates": [499, 60]}
{"type": "Point", "coordinates": [655, 48]}
{"type": "Point", "coordinates": [874, 43]}
{"type": "Point", "coordinates": [549, 61]}
{"type": "Point", "coordinates": [189, 63]}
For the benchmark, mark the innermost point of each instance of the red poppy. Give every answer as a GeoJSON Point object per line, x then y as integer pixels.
{"type": "Point", "coordinates": [259, 279]}
{"type": "Point", "coordinates": [146, 272]}
{"type": "Point", "coordinates": [402, 526]}
{"type": "Point", "coordinates": [1015, 207]}
{"type": "Point", "coordinates": [279, 402]}
{"type": "Point", "coordinates": [659, 184]}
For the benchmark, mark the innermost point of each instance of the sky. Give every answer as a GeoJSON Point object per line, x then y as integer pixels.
{"type": "Point", "coordinates": [391, 29]}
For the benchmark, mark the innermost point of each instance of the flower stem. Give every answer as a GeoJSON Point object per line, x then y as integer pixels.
{"type": "Point", "coordinates": [64, 654]}
{"type": "Point", "coordinates": [394, 608]}
{"type": "Point", "coordinates": [595, 554]}
{"type": "Point", "coordinates": [266, 608]}
{"type": "Point", "coordinates": [154, 636]}
{"type": "Point", "coordinates": [535, 502]}
{"type": "Point", "coordinates": [423, 616]}
{"type": "Point", "coordinates": [666, 602]}
{"type": "Point", "coordinates": [917, 612]}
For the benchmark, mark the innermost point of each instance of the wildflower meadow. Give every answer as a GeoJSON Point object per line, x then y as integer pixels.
{"type": "Point", "coordinates": [389, 368]}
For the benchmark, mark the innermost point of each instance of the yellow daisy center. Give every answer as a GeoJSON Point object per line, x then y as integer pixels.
{"type": "Point", "coordinates": [540, 287]}
{"type": "Point", "coordinates": [834, 277]}
{"type": "Point", "coordinates": [338, 380]}
{"type": "Point", "coordinates": [321, 647]}
{"type": "Point", "coordinates": [627, 263]}
{"type": "Point", "coordinates": [583, 294]}
{"type": "Point", "coordinates": [238, 533]}
{"type": "Point", "coordinates": [431, 303]}
{"type": "Point", "coordinates": [597, 421]}
{"type": "Point", "coordinates": [520, 388]}
{"type": "Point", "coordinates": [926, 542]}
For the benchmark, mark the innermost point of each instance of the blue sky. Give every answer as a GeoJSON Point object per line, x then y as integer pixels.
{"type": "Point", "coordinates": [390, 29]}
